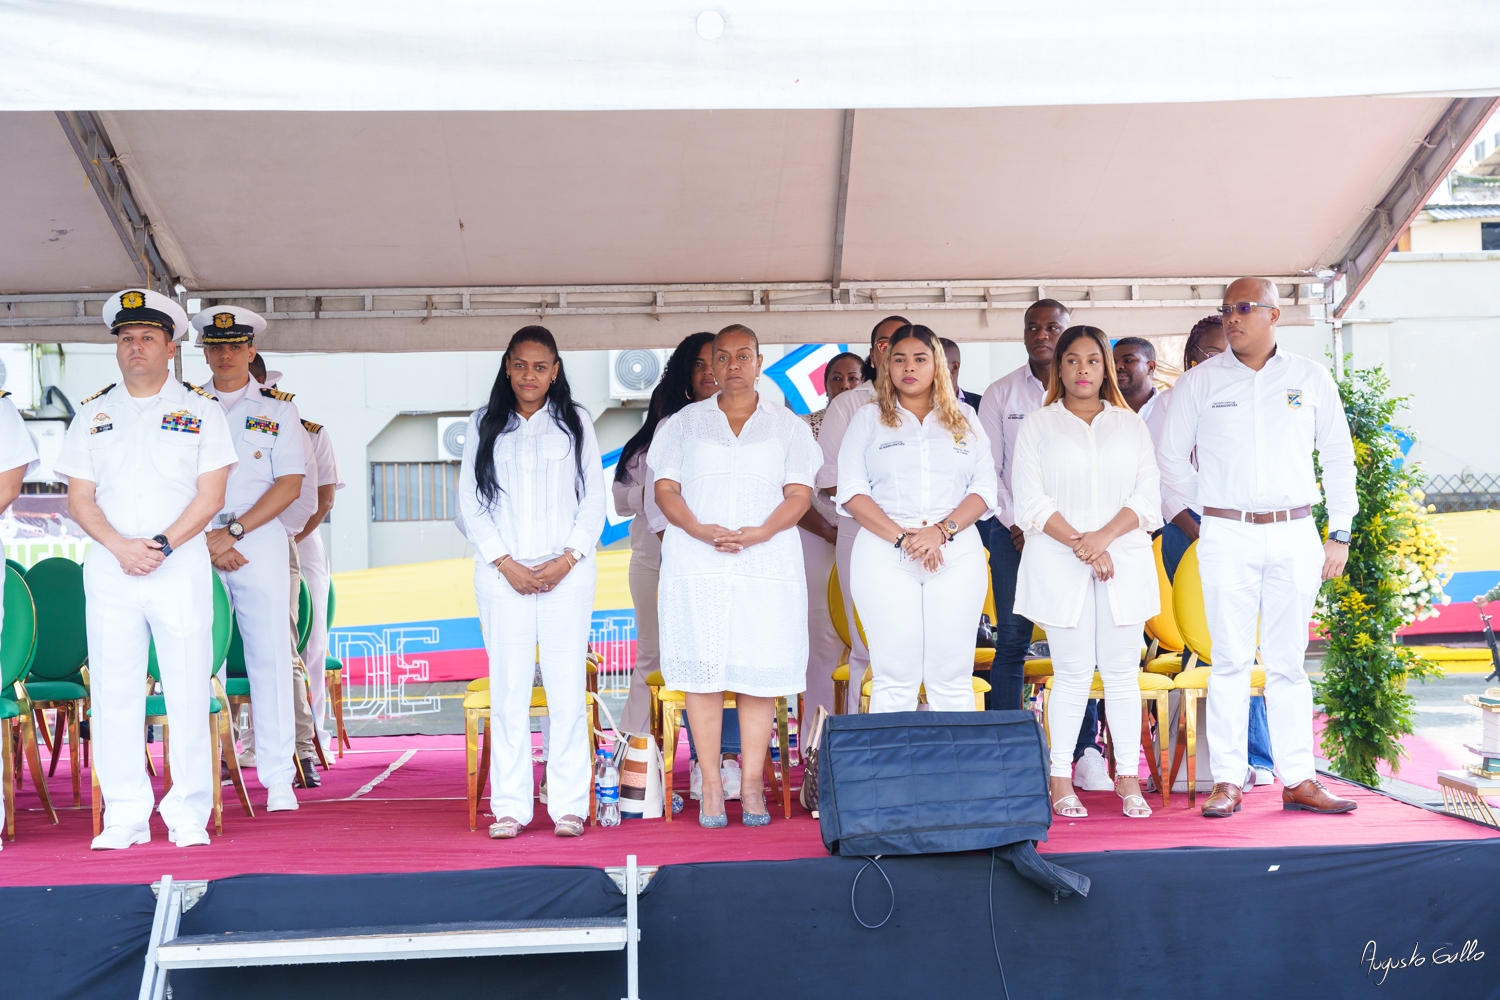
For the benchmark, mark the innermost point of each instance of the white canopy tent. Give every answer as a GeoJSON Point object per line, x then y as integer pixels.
{"type": "Point", "coordinates": [430, 178]}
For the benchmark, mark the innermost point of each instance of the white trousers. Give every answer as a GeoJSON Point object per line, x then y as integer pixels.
{"type": "Point", "coordinates": [174, 606]}
{"type": "Point", "coordinates": [1097, 643]}
{"type": "Point", "coordinates": [516, 628]}
{"type": "Point", "coordinates": [260, 592]}
{"type": "Point", "coordinates": [635, 717]}
{"type": "Point", "coordinates": [920, 625]}
{"type": "Point", "coordinates": [315, 571]}
{"type": "Point", "coordinates": [824, 647]}
{"type": "Point", "coordinates": [1265, 574]}
{"type": "Point", "coordinates": [859, 656]}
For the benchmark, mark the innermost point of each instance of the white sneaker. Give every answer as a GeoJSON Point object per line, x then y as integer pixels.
{"type": "Point", "coordinates": [695, 782]}
{"type": "Point", "coordinates": [1091, 774]}
{"type": "Point", "coordinates": [1264, 776]}
{"type": "Point", "coordinates": [1251, 779]}
{"type": "Point", "coordinates": [188, 836]}
{"type": "Point", "coordinates": [117, 838]}
{"type": "Point", "coordinates": [729, 773]}
{"type": "Point", "coordinates": [281, 798]}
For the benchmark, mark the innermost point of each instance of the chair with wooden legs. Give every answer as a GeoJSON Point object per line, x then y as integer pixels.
{"type": "Point", "coordinates": [218, 722]}
{"type": "Point", "coordinates": [1192, 682]}
{"type": "Point", "coordinates": [304, 633]}
{"type": "Point", "coordinates": [235, 681]}
{"type": "Point", "coordinates": [1164, 651]}
{"type": "Point", "coordinates": [477, 732]}
{"type": "Point", "coordinates": [17, 729]}
{"type": "Point", "coordinates": [674, 710]}
{"type": "Point", "coordinates": [57, 679]}
{"type": "Point", "coordinates": [333, 679]}
{"type": "Point", "coordinates": [1154, 688]}
{"type": "Point", "coordinates": [841, 629]}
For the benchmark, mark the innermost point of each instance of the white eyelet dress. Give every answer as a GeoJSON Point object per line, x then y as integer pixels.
{"type": "Point", "coordinates": [734, 621]}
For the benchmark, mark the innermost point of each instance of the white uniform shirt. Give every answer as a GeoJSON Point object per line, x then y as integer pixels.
{"type": "Point", "coordinates": [321, 469]}
{"type": "Point", "coordinates": [267, 434]}
{"type": "Point", "coordinates": [630, 493]}
{"type": "Point", "coordinates": [919, 472]}
{"type": "Point", "coordinates": [1255, 433]}
{"type": "Point", "coordinates": [328, 463]}
{"type": "Point", "coordinates": [16, 446]}
{"type": "Point", "coordinates": [1002, 408]}
{"type": "Point", "coordinates": [145, 456]}
{"type": "Point", "coordinates": [820, 501]}
{"type": "Point", "coordinates": [1154, 413]}
{"type": "Point", "coordinates": [1087, 473]}
{"type": "Point", "coordinates": [836, 419]}
{"type": "Point", "coordinates": [542, 507]}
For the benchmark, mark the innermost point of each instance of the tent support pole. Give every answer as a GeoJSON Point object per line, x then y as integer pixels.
{"type": "Point", "coordinates": [843, 209]}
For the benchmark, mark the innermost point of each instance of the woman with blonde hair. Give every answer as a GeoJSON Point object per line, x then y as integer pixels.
{"type": "Point", "coordinates": [1088, 495]}
{"type": "Point", "coordinates": [915, 471]}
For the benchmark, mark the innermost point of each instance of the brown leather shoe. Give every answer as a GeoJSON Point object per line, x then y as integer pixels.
{"type": "Point", "coordinates": [1222, 801]}
{"type": "Point", "coordinates": [1313, 797]}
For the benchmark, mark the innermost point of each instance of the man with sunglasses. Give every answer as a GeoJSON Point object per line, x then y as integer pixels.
{"type": "Point", "coordinates": [1256, 414]}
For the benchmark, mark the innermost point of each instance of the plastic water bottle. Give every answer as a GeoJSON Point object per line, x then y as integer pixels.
{"type": "Point", "coordinates": [609, 791]}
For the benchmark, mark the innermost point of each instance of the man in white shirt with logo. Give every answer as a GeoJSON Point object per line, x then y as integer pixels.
{"type": "Point", "coordinates": [1002, 408]}
{"type": "Point", "coordinates": [1255, 414]}
{"type": "Point", "coordinates": [248, 544]}
{"type": "Point", "coordinates": [18, 459]}
{"type": "Point", "coordinates": [147, 461]}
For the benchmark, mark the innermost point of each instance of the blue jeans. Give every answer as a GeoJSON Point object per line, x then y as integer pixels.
{"type": "Point", "coordinates": [729, 735]}
{"type": "Point", "coordinates": [1012, 631]}
{"type": "Point", "coordinates": [1174, 543]}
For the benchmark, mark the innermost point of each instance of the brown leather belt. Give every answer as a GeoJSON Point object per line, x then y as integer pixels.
{"type": "Point", "coordinates": [1266, 517]}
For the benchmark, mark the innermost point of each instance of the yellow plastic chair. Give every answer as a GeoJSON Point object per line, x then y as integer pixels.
{"type": "Point", "coordinates": [1154, 687]}
{"type": "Point", "coordinates": [674, 709]}
{"type": "Point", "coordinates": [477, 720]}
{"type": "Point", "coordinates": [1192, 682]}
{"type": "Point", "coordinates": [841, 629]}
{"type": "Point", "coordinates": [1164, 653]}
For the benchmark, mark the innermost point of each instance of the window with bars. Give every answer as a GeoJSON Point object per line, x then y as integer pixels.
{"type": "Point", "coordinates": [413, 491]}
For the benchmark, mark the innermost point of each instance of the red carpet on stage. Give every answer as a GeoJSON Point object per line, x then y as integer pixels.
{"type": "Point", "coordinates": [396, 804]}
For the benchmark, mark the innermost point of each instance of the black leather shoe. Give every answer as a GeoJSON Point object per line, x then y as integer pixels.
{"type": "Point", "coordinates": [307, 773]}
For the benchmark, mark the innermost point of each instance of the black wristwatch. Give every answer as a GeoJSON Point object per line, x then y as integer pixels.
{"type": "Point", "coordinates": [166, 546]}
{"type": "Point", "coordinates": [901, 538]}
{"type": "Point", "coordinates": [236, 529]}
{"type": "Point", "coordinates": [1342, 537]}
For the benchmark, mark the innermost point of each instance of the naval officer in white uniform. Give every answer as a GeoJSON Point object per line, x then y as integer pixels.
{"type": "Point", "coordinates": [147, 461]}
{"type": "Point", "coordinates": [18, 459]}
{"type": "Point", "coordinates": [1255, 414]}
{"type": "Point", "coordinates": [248, 544]}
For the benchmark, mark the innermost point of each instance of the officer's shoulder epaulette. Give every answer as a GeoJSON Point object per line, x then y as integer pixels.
{"type": "Point", "coordinates": [312, 428]}
{"type": "Point", "coordinates": [96, 395]}
{"type": "Point", "coordinates": [201, 392]}
{"type": "Point", "coordinates": [4, 393]}
{"type": "Point", "coordinates": [285, 397]}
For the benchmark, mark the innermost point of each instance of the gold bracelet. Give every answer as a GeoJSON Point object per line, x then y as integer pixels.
{"type": "Point", "coordinates": [502, 561]}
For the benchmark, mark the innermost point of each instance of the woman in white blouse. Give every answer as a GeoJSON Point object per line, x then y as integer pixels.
{"type": "Point", "coordinates": [688, 378]}
{"type": "Point", "coordinates": [1088, 496]}
{"type": "Point", "coordinates": [733, 476]}
{"type": "Point", "coordinates": [531, 490]}
{"type": "Point", "coordinates": [915, 472]}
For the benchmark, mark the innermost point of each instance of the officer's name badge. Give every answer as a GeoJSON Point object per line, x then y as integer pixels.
{"type": "Point", "coordinates": [101, 428]}
{"type": "Point", "coordinates": [263, 424]}
{"type": "Point", "coordinates": [181, 420]}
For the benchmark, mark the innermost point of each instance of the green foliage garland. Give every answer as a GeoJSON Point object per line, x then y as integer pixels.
{"type": "Point", "coordinates": [1394, 576]}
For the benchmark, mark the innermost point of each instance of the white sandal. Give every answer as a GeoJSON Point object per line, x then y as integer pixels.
{"type": "Point", "coordinates": [1135, 805]}
{"type": "Point", "coordinates": [1070, 807]}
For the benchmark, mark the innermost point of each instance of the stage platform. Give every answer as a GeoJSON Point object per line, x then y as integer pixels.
{"type": "Point", "coordinates": [1288, 901]}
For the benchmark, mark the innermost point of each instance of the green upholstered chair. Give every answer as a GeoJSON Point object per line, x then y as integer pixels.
{"type": "Point", "coordinates": [17, 647]}
{"type": "Point", "coordinates": [18, 567]}
{"type": "Point", "coordinates": [58, 677]}
{"type": "Point", "coordinates": [333, 678]}
{"type": "Point", "coordinates": [218, 721]}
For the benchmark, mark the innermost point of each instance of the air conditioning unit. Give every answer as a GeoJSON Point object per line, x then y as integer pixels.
{"type": "Point", "coordinates": [633, 374]}
{"type": "Point", "coordinates": [451, 438]}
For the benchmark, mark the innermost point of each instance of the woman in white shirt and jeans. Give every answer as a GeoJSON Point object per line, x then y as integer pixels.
{"type": "Point", "coordinates": [915, 471]}
{"type": "Point", "coordinates": [531, 490]}
{"type": "Point", "coordinates": [1088, 495]}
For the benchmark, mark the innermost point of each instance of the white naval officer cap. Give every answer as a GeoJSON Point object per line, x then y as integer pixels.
{"type": "Point", "coordinates": [143, 307]}
{"type": "Point", "coordinates": [227, 325]}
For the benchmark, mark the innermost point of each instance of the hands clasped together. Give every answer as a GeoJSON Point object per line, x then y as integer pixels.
{"type": "Point", "coordinates": [535, 579]}
{"type": "Point", "coordinates": [925, 545]}
{"type": "Point", "coordinates": [730, 539]}
{"type": "Point", "coordinates": [1092, 547]}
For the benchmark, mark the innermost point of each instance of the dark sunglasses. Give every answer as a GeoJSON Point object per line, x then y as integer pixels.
{"type": "Point", "coordinates": [1243, 308]}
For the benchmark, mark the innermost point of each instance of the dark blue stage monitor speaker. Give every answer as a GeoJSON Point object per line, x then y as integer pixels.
{"type": "Point", "coordinates": [937, 782]}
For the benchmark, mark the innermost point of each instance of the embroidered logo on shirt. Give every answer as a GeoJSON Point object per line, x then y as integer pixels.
{"type": "Point", "coordinates": [891, 444]}
{"type": "Point", "coordinates": [263, 424]}
{"type": "Point", "coordinates": [1015, 416]}
{"type": "Point", "coordinates": [960, 440]}
{"type": "Point", "coordinates": [181, 420]}
{"type": "Point", "coordinates": [101, 428]}
{"type": "Point", "coordinates": [1223, 403]}
{"type": "Point", "coordinates": [100, 417]}
{"type": "Point", "coordinates": [1294, 398]}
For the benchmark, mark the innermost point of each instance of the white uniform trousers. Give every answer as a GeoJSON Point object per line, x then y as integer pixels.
{"type": "Point", "coordinates": [859, 656]}
{"type": "Point", "coordinates": [1267, 574]}
{"type": "Point", "coordinates": [635, 717]}
{"type": "Point", "coordinates": [516, 628]}
{"type": "Point", "coordinates": [174, 605]}
{"type": "Point", "coordinates": [920, 625]}
{"type": "Point", "coordinates": [316, 572]}
{"type": "Point", "coordinates": [302, 717]}
{"type": "Point", "coordinates": [824, 647]}
{"type": "Point", "coordinates": [1096, 643]}
{"type": "Point", "coordinates": [260, 591]}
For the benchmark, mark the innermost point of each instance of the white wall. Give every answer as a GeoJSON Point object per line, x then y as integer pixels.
{"type": "Point", "coordinates": [1452, 236]}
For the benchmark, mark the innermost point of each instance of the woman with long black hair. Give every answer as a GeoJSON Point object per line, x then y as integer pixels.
{"type": "Point", "coordinates": [688, 378]}
{"type": "Point", "coordinates": [531, 490]}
